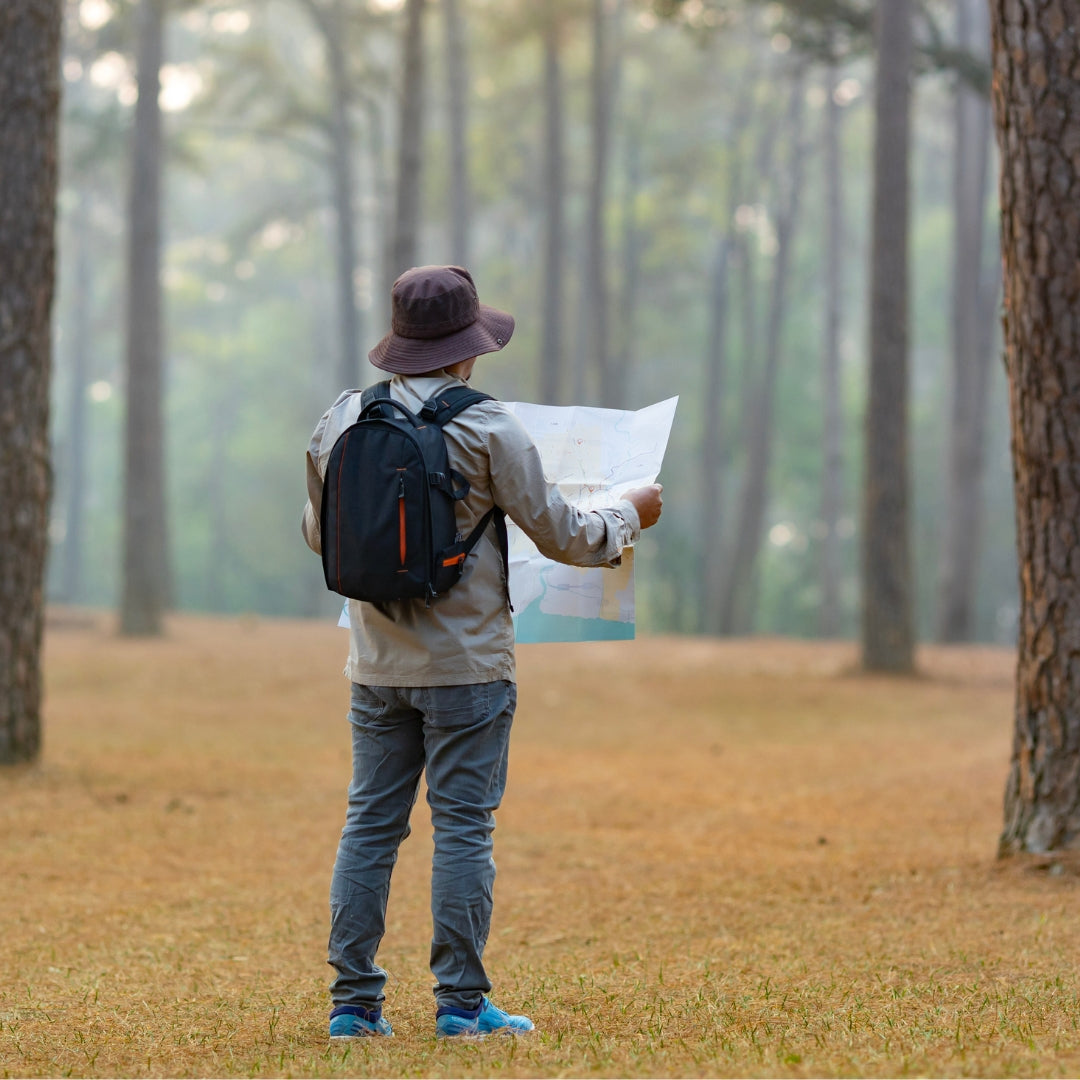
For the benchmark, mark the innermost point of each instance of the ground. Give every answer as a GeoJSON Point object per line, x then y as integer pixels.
{"type": "Point", "coordinates": [715, 858]}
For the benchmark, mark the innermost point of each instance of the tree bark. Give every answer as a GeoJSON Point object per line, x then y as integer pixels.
{"type": "Point", "coordinates": [551, 355]}
{"type": "Point", "coordinates": [1036, 99]}
{"type": "Point", "coordinates": [146, 588]}
{"type": "Point", "coordinates": [887, 626]}
{"type": "Point", "coordinates": [832, 456]}
{"type": "Point", "coordinates": [405, 242]}
{"type": "Point", "coordinates": [457, 103]}
{"type": "Point", "coordinates": [970, 360]}
{"type": "Point", "coordinates": [30, 91]}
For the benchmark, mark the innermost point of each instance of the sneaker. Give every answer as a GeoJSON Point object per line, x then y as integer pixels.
{"type": "Point", "coordinates": [478, 1023]}
{"type": "Point", "coordinates": [354, 1022]}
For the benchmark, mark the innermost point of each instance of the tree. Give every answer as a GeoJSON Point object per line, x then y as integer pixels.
{"type": "Point", "coordinates": [146, 586]}
{"type": "Point", "coordinates": [715, 443]}
{"type": "Point", "coordinates": [405, 242]}
{"type": "Point", "coordinates": [551, 363]}
{"type": "Point", "coordinates": [974, 292]}
{"type": "Point", "coordinates": [737, 595]}
{"type": "Point", "coordinates": [333, 26]}
{"type": "Point", "coordinates": [1036, 102]}
{"type": "Point", "coordinates": [75, 451]}
{"type": "Point", "coordinates": [596, 291]}
{"type": "Point", "coordinates": [457, 82]}
{"type": "Point", "coordinates": [832, 461]}
{"type": "Point", "coordinates": [887, 622]}
{"type": "Point", "coordinates": [30, 90]}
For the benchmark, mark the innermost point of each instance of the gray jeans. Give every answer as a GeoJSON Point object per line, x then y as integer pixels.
{"type": "Point", "coordinates": [460, 735]}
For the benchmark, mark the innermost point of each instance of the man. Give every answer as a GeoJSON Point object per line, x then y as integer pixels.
{"type": "Point", "coordinates": [433, 683]}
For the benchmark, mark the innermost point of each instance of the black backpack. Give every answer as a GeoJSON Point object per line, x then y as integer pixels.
{"type": "Point", "coordinates": [387, 516]}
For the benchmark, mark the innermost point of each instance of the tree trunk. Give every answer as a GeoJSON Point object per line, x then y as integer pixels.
{"type": "Point", "coordinates": [887, 590]}
{"type": "Point", "coordinates": [596, 259]}
{"type": "Point", "coordinates": [630, 255]}
{"type": "Point", "coordinates": [146, 589]}
{"type": "Point", "coordinates": [736, 600]}
{"type": "Point", "coordinates": [405, 242]}
{"type": "Point", "coordinates": [963, 506]}
{"type": "Point", "coordinates": [1036, 98]}
{"type": "Point", "coordinates": [30, 91]}
{"type": "Point", "coordinates": [551, 331]}
{"type": "Point", "coordinates": [457, 103]}
{"type": "Point", "coordinates": [350, 319]}
{"type": "Point", "coordinates": [715, 443]}
{"type": "Point", "coordinates": [378, 219]}
{"type": "Point", "coordinates": [832, 479]}
{"type": "Point", "coordinates": [75, 503]}
{"type": "Point", "coordinates": [712, 446]}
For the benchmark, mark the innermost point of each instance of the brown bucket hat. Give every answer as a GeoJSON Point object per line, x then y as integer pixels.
{"type": "Point", "coordinates": [437, 319]}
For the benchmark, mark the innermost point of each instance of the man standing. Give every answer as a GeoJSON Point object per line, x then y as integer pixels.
{"type": "Point", "coordinates": [433, 683]}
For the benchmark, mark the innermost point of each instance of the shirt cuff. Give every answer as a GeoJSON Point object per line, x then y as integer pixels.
{"type": "Point", "coordinates": [630, 516]}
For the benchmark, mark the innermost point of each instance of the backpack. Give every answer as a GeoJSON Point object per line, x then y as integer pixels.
{"type": "Point", "coordinates": [387, 515]}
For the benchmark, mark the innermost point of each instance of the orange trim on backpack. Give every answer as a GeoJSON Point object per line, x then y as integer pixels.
{"type": "Point", "coordinates": [454, 560]}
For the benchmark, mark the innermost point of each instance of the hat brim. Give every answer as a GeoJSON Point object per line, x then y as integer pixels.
{"type": "Point", "coordinates": [414, 356]}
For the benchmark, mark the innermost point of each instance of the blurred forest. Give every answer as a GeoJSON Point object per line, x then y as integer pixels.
{"type": "Point", "coordinates": [672, 198]}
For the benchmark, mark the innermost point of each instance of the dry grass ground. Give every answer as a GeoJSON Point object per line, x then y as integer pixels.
{"type": "Point", "coordinates": [714, 859]}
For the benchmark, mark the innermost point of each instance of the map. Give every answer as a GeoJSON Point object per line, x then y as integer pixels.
{"type": "Point", "coordinates": [595, 456]}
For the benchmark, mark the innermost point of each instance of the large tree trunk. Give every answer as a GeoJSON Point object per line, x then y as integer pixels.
{"type": "Point", "coordinates": [737, 596]}
{"type": "Point", "coordinates": [887, 591]}
{"type": "Point", "coordinates": [832, 458]}
{"type": "Point", "coordinates": [1036, 100]}
{"type": "Point", "coordinates": [146, 587]}
{"type": "Point", "coordinates": [963, 505]}
{"type": "Point", "coordinates": [551, 330]}
{"type": "Point", "coordinates": [30, 91]}
{"type": "Point", "coordinates": [457, 104]}
{"type": "Point", "coordinates": [405, 242]}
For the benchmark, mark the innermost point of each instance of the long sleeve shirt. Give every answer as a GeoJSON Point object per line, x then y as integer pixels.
{"type": "Point", "coordinates": [465, 635]}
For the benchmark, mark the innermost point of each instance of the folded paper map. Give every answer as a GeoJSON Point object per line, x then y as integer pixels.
{"type": "Point", "coordinates": [595, 456]}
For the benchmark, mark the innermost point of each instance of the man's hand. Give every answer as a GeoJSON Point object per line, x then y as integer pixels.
{"type": "Point", "coordinates": [648, 501]}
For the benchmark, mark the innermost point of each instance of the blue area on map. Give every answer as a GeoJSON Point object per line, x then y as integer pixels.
{"type": "Point", "coordinates": [532, 625]}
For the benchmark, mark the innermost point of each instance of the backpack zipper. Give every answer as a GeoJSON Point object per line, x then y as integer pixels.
{"type": "Point", "coordinates": [401, 516]}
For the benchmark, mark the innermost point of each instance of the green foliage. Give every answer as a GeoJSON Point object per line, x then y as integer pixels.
{"type": "Point", "coordinates": [250, 308]}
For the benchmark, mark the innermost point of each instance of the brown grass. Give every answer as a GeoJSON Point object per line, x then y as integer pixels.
{"type": "Point", "coordinates": [714, 859]}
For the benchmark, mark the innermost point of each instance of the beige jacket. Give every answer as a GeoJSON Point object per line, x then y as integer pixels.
{"type": "Point", "coordinates": [467, 634]}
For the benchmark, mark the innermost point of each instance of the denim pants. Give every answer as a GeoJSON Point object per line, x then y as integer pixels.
{"type": "Point", "coordinates": [460, 735]}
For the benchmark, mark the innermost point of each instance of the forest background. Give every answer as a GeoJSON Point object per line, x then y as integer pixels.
{"type": "Point", "coordinates": [710, 183]}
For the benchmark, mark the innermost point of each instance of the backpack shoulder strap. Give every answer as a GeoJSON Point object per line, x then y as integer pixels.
{"type": "Point", "coordinates": [442, 409]}
{"type": "Point", "coordinates": [378, 392]}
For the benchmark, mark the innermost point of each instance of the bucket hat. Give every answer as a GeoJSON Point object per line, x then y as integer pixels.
{"type": "Point", "coordinates": [436, 320]}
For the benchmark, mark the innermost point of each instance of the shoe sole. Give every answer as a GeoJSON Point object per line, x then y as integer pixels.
{"type": "Point", "coordinates": [478, 1035]}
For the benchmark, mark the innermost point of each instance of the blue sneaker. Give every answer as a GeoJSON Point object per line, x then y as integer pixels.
{"type": "Point", "coordinates": [478, 1023]}
{"type": "Point", "coordinates": [354, 1022]}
